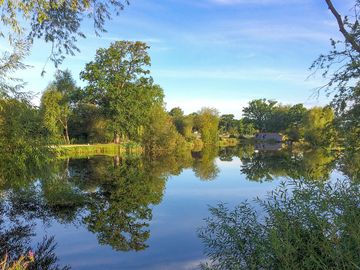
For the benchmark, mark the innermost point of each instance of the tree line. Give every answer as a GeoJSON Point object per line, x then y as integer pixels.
{"type": "Point", "coordinates": [120, 102]}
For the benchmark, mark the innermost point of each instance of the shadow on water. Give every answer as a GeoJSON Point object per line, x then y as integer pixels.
{"type": "Point", "coordinates": [113, 197]}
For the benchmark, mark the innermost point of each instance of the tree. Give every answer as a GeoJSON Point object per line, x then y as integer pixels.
{"type": "Point", "coordinates": [207, 122]}
{"type": "Point", "coordinates": [318, 125]}
{"type": "Point", "coordinates": [161, 136]}
{"type": "Point", "coordinates": [296, 116]}
{"type": "Point", "coordinates": [246, 128]}
{"type": "Point", "coordinates": [342, 64]}
{"type": "Point", "coordinates": [87, 124]}
{"type": "Point", "coordinates": [177, 115]}
{"type": "Point", "coordinates": [56, 104]}
{"type": "Point", "coordinates": [259, 112]}
{"type": "Point", "coordinates": [228, 124]}
{"type": "Point", "coordinates": [22, 140]}
{"type": "Point", "coordinates": [118, 83]}
{"type": "Point", "coordinates": [57, 22]}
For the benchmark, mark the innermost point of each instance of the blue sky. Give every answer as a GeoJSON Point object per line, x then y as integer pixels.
{"type": "Point", "coordinates": [217, 53]}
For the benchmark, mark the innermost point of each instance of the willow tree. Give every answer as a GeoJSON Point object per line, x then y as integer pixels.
{"type": "Point", "coordinates": [119, 83]}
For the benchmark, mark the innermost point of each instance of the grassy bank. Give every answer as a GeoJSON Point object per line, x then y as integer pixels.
{"type": "Point", "coordinates": [110, 149]}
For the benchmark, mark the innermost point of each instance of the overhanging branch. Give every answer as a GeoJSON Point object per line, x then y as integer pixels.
{"type": "Point", "coordinates": [341, 25]}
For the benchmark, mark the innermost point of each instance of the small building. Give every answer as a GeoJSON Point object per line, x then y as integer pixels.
{"type": "Point", "coordinates": [276, 137]}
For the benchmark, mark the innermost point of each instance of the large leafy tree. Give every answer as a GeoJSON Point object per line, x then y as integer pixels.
{"type": "Point", "coordinates": [118, 82]}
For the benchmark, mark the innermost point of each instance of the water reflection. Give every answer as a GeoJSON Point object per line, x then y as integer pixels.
{"type": "Point", "coordinates": [114, 197]}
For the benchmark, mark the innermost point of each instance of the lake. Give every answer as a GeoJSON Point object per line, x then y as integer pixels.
{"type": "Point", "coordinates": [129, 212]}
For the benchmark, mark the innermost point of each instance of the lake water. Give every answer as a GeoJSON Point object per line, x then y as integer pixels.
{"type": "Point", "coordinates": [134, 213]}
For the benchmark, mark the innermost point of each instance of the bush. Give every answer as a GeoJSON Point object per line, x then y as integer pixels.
{"type": "Point", "coordinates": [299, 226]}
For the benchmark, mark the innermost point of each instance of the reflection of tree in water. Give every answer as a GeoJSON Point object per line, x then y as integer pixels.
{"type": "Point", "coordinates": [204, 164]}
{"type": "Point", "coordinates": [227, 153]}
{"type": "Point", "coordinates": [350, 165]}
{"type": "Point", "coordinates": [15, 239]}
{"type": "Point", "coordinates": [119, 211]}
{"type": "Point", "coordinates": [265, 166]}
{"type": "Point", "coordinates": [301, 225]}
{"type": "Point", "coordinates": [113, 199]}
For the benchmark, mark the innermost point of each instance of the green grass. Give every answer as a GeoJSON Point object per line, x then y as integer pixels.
{"type": "Point", "coordinates": [110, 149]}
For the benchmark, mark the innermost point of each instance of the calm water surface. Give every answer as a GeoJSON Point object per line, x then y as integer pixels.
{"type": "Point", "coordinates": [133, 213]}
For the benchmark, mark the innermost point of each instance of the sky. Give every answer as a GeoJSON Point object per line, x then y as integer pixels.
{"type": "Point", "coordinates": [216, 53]}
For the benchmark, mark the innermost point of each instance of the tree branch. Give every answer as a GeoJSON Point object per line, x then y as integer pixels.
{"type": "Point", "coordinates": [342, 29]}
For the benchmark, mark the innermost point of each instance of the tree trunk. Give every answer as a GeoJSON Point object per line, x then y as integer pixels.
{"type": "Point", "coordinates": [117, 161]}
{"type": "Point", "coordinates": [116, 137]}
{"type": "Point", "coordinates": [67, 138]}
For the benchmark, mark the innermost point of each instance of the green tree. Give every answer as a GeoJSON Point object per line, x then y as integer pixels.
{"type": "Point", "coordinates": [177, 115]}
{"type": "Point", "coordinates": [229, 124]}
{"type": "Point", "coordinates": [87, 124]}
{"type": "Point", "coordinates": [319, 126]}
{"type": "Point", "coordinates": [22, 141]}
{"type": "Point", "coordinates": [259, 113]}
{"type": "Point", "coordinates": [56, 105]}
{"type": "Point", "coordinates": [207, 123]}
{"type": "Point", "coordinates": [161, 136]}
{"type": "Point", "coordinates": [296, 116]}
{"type": "Point", "coordinates": [246, 128]}
{"type": "Point", "coordinates": [118, 83]}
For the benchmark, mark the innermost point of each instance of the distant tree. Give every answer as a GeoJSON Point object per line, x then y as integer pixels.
{"type": "Point", "coordinates": [259, 112]}
{"type": "Point", "coordinates": [55, 114]}
{"type": "Point", "coordinates": [246, 128]}
{"type": "Point", "coordinates": [160, 135]}
{"type": "Point", "coordinates": [118, 83]}
{"type": "Point", "coordinates": [177, 115]}
{"type": "Point", "coordinates": [207, 122]}
{"type": "Point", "coordinates": [176, 112]}
{"type": "Point", "coordinates": [296, 116]}
{"type": "Point", "coordinates": [228, 124]}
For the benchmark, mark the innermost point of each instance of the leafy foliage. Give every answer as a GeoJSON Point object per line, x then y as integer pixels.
{"type": "Point", "coordinates": [118, 84]}
{"type": "Point", "coordinates": [299, 226]}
